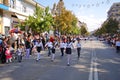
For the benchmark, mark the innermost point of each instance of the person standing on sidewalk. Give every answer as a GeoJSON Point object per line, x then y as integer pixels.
{"type": "Point", "coordinates": [78, 45]}
{"type": "Point", "coordinates": [8, 54]}
{"type": "Point", "coordinates": [19, 52]}
{"type": "Point", "coordinates": [117, 46]}
{"type": "Point", "coordinates": [69, 46]}
{"type": "Point", "coordinates": [39, 47]}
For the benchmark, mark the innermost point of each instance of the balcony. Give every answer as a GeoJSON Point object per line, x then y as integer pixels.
{"type": "Point", "coordinates": [21, 10]}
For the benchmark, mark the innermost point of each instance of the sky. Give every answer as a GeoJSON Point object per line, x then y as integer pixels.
{"type": "Point", "coordinates": [91, 12]}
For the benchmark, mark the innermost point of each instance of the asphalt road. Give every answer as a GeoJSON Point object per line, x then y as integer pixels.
{"type": "Point", "coordinates": [98, 61]}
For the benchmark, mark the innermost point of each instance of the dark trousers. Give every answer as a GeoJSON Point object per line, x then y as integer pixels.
{"type": "Point", "coordinates": [78, 51]}
{"type": "Point", "coordinates": [3, 56]}
{"type": "Point", "coordinates": [117, 49]}
{"type": "Point", "coordinates": [49, 51]}
{"type": "Point", "coordinates": [19, 58]}
{"type": "Point", "coordinates": [62, 51]}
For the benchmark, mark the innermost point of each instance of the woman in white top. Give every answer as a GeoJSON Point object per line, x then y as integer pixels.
{"type": "Point", "coordinates": [78, 45]}
{"type": "Point", "coordinates": [69, 46]}
{"type": "Point", "coordinates": [39, 47]}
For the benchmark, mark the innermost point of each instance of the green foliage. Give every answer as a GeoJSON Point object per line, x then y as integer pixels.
{"type": "Point", "coordinates": [83, 30]}
{"type": "Point", "coordinates": [110, 26]}
{"type": "Point", "coordinates": [65, 22]}
{"type": "Point", "coordinates": [41, 20]}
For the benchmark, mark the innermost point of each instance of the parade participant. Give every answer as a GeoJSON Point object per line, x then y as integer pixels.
{"type": "Point", "coordinates": [49, 46]}
{"type": "Point", "coordinates": [62, 47]}
{"type": "Point", "coordinates": [69, 46]}
{"type": "Point", "coordinates": [78, 45]}
{"type": "Point", "coordinates": [39, 47]}
{"type": "Point", "coordinates": [27, 46]}
{"type": "Point", "coordinates": [53, 51]}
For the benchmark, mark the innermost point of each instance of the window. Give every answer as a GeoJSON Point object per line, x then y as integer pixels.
{"type": "Point", "coordinates": [12, 3]}
{"type": "Point", "coordinates": [24, 9]}
{"type": "Point", "coordinates": [7, 28]}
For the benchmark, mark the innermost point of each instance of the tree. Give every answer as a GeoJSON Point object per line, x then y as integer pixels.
{"type": "Point", "coordinates": [83, 30]}
{"type": "Point", "coordinates": [41, 20]}
{"type": "Point", "coordinates": [110, 27]}
{"type": "Point", "coordinates": [65, 22]}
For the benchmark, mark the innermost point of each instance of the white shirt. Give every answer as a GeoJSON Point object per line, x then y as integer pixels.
{"type": "Point", "coordinates": [69, 45]}
{"type": "Point", "coordinates": [19, 51]}
{"type": "Point", "coordinates": [48, 44]}
{"type": "Point", "coordinates": [78, 45]}
{"type": "Point", "coordinates": [117, 43]}
{"type": "Point", "coordinates": [62, 45]}
{"type": "Point", "coordinates": [38, 44]}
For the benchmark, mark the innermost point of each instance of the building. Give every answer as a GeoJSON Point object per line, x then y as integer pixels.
{"type": "Point", "coordinates": [3, 7]}
{"type": "Point", "coordinates": [14, 11]}
{"type": "Point", "coordinates": [114, 12]}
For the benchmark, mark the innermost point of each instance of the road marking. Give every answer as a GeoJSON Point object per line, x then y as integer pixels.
{"type": "Point", "coordinates": [93, 75]}
{"type": "Point", "coordinates": [95, 67]}
{"type": "Point", "coordinates": [91, 67]}
{"type": "Point", "coordinates": [91, 71]}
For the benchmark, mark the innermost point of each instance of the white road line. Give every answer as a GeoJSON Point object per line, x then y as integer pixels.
{"type": "Point", "coordinates": [91, 68]}
{"type": "Point", "coordinates": [95, 67]}
{"type": "Point", "coordinates": [91, 72]}
{"type": "Point", "coordinates": [93, 75]}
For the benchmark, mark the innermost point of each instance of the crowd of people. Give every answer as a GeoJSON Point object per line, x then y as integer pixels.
{"type": "Point", "coordinates": [14, 48]}
{"type": "Point", "coordinates": [113, 41]}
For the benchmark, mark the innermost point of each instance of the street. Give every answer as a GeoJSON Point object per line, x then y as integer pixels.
{"type": "Point", "coordinates": [98, 61]}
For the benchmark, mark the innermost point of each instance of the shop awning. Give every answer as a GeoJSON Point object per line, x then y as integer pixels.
{"type": "Point", "coordinates": [20, 17]}
{"type": "Point", "coordinates": [2, 6]}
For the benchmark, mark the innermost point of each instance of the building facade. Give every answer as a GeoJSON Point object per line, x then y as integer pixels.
{"type": "Point", "coordinates": [14, 11]}
{"type": "Point", "coordinates": [114, 12]}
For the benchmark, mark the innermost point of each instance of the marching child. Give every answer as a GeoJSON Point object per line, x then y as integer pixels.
{"type": "Point", "coordinates": [62, 47]}
{"type": "Point", "coordinates": [39, 47]}
{"type": "Point", "coordinates": [69, 46]}
{"type": "Point", "coordinates": [53, 51]}
{"type": "Point", "coordinates": [49, 46]}
{"type": "Point", "coordinates": [78, 45]}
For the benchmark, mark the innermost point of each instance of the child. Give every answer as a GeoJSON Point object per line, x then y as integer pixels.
{"type": "Point", "coordinates": [39, 47]}
{"type": "Point", "coordinates": [8, 55]}
{"type": "Point", "coordinates": [53, 52]}
{"type": "Point", "coordinates": [69, 46]}
{"type": "Point", "coordinates": [78, 45]}
{"type": "Point", "coordinates": [62, 47]}
{"type": "Point", "coordinates": [19, 53]}
{"type": "Point", "coordinates": [49, 45]}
